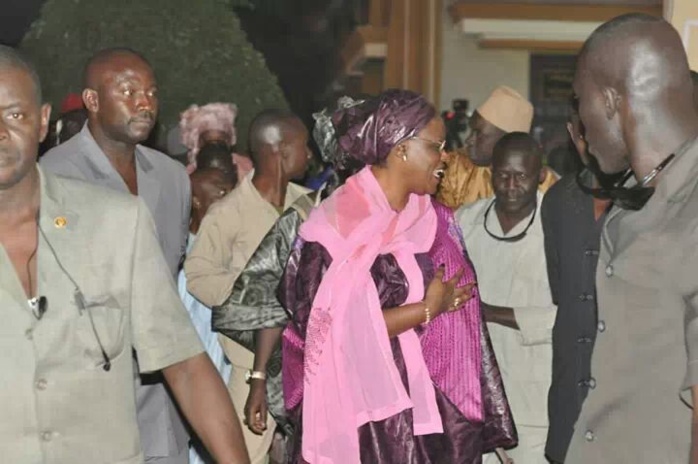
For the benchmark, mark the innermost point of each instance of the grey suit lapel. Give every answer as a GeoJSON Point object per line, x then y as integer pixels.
{"type": "Point", "coordinates": [148, 184]}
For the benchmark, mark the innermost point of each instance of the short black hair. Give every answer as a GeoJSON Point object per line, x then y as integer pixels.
{"type": "Point", "coordinates": [265, 119]}
{"type": "Point", "coordinates": [103, 56]}
{"type": "Point", "coordinates": [12, 58]}
{"type": "Point", "coordinates": [517, 141]}
{"type": "Point", "coordinates": [217, 156]}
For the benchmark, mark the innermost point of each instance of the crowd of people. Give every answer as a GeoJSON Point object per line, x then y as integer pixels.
{"type": "Point", "coordinates": [419, 307]}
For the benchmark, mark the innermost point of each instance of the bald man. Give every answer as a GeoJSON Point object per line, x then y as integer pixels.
{"type": "Point", "coordinates": [505, 242]}
{"type": "Point", "coordinates": [635, 100]}
{"type": "Point", "coordinates": [231, 232]}
{"type": "Point", "coordinates": [469, 173]}
{"type": "Point", "coordinates": [120, 95]}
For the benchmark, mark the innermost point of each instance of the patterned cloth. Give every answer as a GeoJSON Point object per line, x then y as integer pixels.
{"type": "Point", "coordinates": [392, 440]}
{"type": "Point", "coordinates": [253, 304]}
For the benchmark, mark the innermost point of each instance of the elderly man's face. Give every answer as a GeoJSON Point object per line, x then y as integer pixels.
{"type": "Point", "coordinates": [23, 125]}
{"type": "Point", "coordinates": [483, 137]}
{"type": "Point", "coordinates": [602, 126]}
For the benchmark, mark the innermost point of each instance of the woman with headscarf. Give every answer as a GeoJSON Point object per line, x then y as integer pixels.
{"type": "Point", "coordinates": [385, 360]}
{"type": "Point", "coordinates": [213, 123]}
{"type": "Point", "coordinates": [252, 315]}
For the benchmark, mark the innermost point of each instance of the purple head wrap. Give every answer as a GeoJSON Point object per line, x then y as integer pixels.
{"type": "Point", "coordinates": [367, 132]}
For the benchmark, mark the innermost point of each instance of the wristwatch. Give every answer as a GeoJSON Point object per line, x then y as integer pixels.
{"type": "Point", "coordinates": [249, 375]}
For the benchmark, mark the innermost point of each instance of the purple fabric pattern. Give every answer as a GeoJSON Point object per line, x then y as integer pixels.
{"type": "Point", "coordinates": [451, 342]}
{"type": "Point", "coordinates": [469, 391]}
{"type": "Point", "coordinates": [368, 131]}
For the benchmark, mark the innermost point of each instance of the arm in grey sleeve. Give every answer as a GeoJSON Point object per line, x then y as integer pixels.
{"type": "Point", "coordinates": [161, 329]}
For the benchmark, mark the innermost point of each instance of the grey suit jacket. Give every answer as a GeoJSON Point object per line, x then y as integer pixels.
{"type": "Point", "coordinates": [164, 186]}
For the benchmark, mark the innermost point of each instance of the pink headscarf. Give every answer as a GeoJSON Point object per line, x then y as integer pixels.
{"type": "Point", "coordinates": [349, 371]}
{"type": "Point", "coordinates": [213, 116]}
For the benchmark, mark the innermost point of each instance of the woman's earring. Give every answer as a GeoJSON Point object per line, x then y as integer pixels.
{"type": "Point", "coordinates": [404, 154]}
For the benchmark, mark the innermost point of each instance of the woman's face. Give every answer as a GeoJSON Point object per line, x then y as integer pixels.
{"type": "Point", "coordinates": [426, 158]}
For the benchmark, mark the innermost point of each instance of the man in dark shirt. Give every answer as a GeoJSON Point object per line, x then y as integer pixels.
{"type": "Point", "coordinates": [572, 222]}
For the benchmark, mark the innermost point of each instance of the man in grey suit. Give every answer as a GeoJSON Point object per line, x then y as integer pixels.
{"type": "Point", "coordinates": [82, 283]}
{"type": "Point", "coordinates": [121, 99]}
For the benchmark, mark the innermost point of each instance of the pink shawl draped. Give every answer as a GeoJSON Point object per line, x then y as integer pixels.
{"type": "Point", "coordinates": [349, 371]}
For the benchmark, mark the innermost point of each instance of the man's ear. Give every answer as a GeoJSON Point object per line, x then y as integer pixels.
{"type": "Point", "coordinates": [45, 120]}
{"type": "Point", "coordinates": [611, 101]}
{"type": "Point", "coordinates": [543, 174]}
{"type": "Point", "coordinates": [91, 100]}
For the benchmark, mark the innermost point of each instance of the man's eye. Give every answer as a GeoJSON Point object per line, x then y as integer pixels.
{"type": "Point", "coordinates": [152, 93]}
{"type": "Point", "coordinates": [128, 92]}
{"type": "Point", "coordinates": [17, 116]}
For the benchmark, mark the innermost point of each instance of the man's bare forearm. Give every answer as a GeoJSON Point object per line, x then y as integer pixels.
{"type": "Point", "coordinates": [205, 402]}
{"type": "Point", "coordinates": [500, 315]}
{"type": "Point", "coordinates": [265, 343]}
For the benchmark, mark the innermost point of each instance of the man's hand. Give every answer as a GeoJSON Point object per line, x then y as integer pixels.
{"type": "Point", "coordinates": [205, 402]}
{"type": "Point", "coordinates": [256, 406]}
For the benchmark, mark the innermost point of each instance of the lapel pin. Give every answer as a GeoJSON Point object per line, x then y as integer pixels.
{"type": "Point", "coordinates": [60, 222]}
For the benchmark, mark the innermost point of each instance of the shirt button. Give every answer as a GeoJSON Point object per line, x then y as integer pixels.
{"type": "Point", "coordinates": [609, 270]}
{"type": "Point", "coordinates": [591, 383]}
{"type": "Point", "coordinates": [601, 326]}
{"type": "Point", "coordinates": [41, 384]}
{"type": "Point", "coordinates": [29, 334]}
{"type": "Point", "coordinates": [47, 436]}
{"type": "Point", "coordinates": [589, 436]}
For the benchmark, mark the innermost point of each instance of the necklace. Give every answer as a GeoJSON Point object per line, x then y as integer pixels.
{"type": "Point", "coordinates": [516, 237]}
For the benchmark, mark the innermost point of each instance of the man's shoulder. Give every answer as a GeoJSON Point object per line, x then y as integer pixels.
{"type": "Point", "coordinates": [161, 162]}
{"type": "Point", "coordinates": [59, 157]}
{"type": "Point", "coordinates": [470, 213]}
{"type": "Point", "coordinates": [298, 190]}
{"type": "Point", "coordinates": [81, 195]}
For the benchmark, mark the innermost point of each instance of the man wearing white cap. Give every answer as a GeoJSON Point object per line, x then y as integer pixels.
{"type": "Point", "coordinates": [469, 174]}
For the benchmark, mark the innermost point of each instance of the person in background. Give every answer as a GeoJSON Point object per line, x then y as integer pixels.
{"type": "Point", "coordinates": [120, 94]}
{"type": "Point", "coordinates": [563, 160]}
{"type": "Point", "coordinates": [83, 283]}
{"type": "Point", "coordinates": [365, 253]}
{"type": "Point", "coordinates": [217, 156]}
{"type": "Point", "coordinates": [572, 219]}
{"type": "Point", "coordinates": [253, 315]}
{"type": "Point", "coordinates": [505, 241]}
{"type": "Point", "coordinates": [208, 185]}
{"type": "Point", "coordinates": [469, 174]}
{"type": "Point", "coordinates": [213, 123]}
{"type": "Point", "coordinates": [233, 229]}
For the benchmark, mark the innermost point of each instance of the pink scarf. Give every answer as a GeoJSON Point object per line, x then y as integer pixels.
{"type": "Point", "coordinates": [350, 375]}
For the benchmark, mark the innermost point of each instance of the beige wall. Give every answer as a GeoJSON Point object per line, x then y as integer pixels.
{"type": "Point", "coordinates": [468, 72]}
{"type": "Point", "coordinates": [683, 14]}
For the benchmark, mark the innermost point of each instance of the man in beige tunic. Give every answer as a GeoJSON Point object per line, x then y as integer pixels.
{"type": "Point", "coordinates": [233, 229]}
{"type": "Point", "coordinates": [635, 100]}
